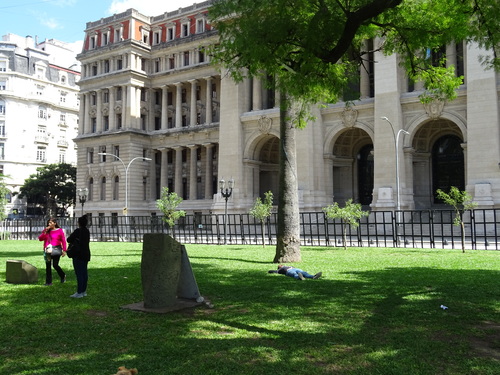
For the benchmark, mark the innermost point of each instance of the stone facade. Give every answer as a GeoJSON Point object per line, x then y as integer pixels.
{"type": "Point", "coordinates": [38, 111]}
{"type": "Point", "coordinates": [148, 90]}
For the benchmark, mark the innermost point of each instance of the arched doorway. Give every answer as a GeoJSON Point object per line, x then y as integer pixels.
{"type": "Point", "coordinates": [447, 165]}
{"type": "Point", "coordinates": [353, 167]}
{"type": "Point", "coordinates": [269, 167]}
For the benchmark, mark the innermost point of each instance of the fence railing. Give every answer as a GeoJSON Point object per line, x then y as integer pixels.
{"type": "Point", "coordinates": [413, 229]}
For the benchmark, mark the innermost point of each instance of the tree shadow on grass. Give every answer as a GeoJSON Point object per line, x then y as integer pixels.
{"type": "Point", "coordinates": [380, 321]}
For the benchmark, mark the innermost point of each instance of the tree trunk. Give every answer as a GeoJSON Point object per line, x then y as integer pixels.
{"type": "Point", "coordinates": [288, 231]}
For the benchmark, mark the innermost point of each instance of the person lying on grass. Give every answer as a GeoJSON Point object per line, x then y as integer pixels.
{"type": "Point", "coordinates": [296, 273]}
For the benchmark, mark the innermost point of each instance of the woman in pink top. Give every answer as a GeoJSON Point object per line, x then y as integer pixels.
{"type": "Point", "coordinates": [53, 235]}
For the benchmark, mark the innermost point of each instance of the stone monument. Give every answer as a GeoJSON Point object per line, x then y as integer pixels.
{"type": "Point", "coordinates": [168, 281]}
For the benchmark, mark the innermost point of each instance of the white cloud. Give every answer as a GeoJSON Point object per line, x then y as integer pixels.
{"type": "Point", "coordinates": [149, 7]}
{"type": "Point", "coordinates": [51, 23]}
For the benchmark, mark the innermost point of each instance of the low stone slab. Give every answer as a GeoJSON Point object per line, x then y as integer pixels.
{"type": "Point", "coordinates": [20, 272]}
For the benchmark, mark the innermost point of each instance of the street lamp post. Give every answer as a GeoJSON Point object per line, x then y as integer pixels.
{"type": "Point", "coordinates": [396, 146]}
{"type": "Point", "coordinates": [226, 193]}
{"type": "Point", "coordinates": [126, 168]}
{"type": "Point", "coordinates": [82, 193]}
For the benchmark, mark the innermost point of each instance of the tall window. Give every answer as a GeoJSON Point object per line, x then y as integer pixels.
{"type": "Point", "coordinates": [62, 156]}
{"type": "Point", "coordinates": [200, 25]}
{"type": "Point", "coordinates": [3, 66]}
{"type": "Point", "coordinates": [118, 120]}
{"type": "Point", "coordinates": [42, 112]}
{"type": "Point", "coordinates": [2, 107]}
{"type": "Point", "coordinates": [90, 155]}
{"type": "Point", "coordinates": [2, 128]}
{"type": "Point", "coordinates": [119, 92]}
{"type": "Point", "coordinates": [102, 150]}
{"type": "Point", "coordinates": [2, 151]}
{"type": "Point", "coordinates": [103, 189]}
{"type": "Point", "coordinates": [3, 85]}
{"type": "Point", "coordinates": [91, 189]}
{"type": "Point", "coordinates": [40, 154]}
{"type": "Point", "coordinates": [116, 186]}
{"type": "Point", "coordinates": [116, 150]}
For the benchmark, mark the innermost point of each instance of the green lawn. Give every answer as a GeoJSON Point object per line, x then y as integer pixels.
{"type": "Point", "coordinates": [375, 311]}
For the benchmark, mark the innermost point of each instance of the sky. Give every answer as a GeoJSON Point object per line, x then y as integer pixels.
{"type": "Point", "coordinates": [65, 20]}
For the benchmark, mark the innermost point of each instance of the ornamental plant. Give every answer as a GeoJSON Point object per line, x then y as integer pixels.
{"type": "Point", "coordinates": [461, 201]}
{"type": "Point", "coordinates": [167, 204]}
{"type": "Point", "coordinates": [349, 215]}
{"type": "Point", "coordinates": [261, 210]}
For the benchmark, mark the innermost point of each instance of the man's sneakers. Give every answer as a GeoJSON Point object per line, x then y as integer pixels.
{"type": "Point", "coordinates": [318, 275]}
{"type": "Point", "coordinates": [301, 277]}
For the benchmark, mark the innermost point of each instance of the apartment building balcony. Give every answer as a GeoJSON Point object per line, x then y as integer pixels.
{"type": "Point", "coordinates": [62, 143]}
{"type": "Point", "coordinates": [42, 139]}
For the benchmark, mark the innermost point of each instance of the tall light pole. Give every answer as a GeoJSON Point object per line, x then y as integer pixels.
{"type": "Point", "coordinates": [226, 193]}
{"type": "Point", "coordinates": [82, 193]}
{"type": "Point", "coordinates": [125, 209]}
{"type": "Point", "coordinates": [396, 146]}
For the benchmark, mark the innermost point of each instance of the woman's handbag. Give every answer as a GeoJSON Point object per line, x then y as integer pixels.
{"type": "Point", "coordinates": [53, 251]}
{"type": "Point", "coordinates": [73, 248]}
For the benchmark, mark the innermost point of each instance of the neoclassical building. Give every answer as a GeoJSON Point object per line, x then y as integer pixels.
{"type": "Point", "coordinates": [156, 113]}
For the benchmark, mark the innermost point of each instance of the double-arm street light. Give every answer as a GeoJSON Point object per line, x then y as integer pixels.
{"type": "Point", "coordinates": [396, 146]}
{"type": "Point", "coordinates": [226, 193]}
{"type": "Point", "coordinates": [125, 210]}
{"type": "Point", "coordinates": [82, 193]}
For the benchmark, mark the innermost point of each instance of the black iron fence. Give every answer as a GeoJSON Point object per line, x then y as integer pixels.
{"type": "Point", "coordinates": [413, 229]}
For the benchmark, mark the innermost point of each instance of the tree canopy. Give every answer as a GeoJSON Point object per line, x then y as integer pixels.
{"type": "Point", "coordinates": [52, 188]}
{"type": "Point", "coordinates": [312, 48]}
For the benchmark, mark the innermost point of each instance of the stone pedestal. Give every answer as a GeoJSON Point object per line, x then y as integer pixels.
{"type": "Point", "coordinates": [20, 272]}
{"type": "Point", "coordinates": [160, 270]}
{"type": "Point", "coordinates": [168, 282]}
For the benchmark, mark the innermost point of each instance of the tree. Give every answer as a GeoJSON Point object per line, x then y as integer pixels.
{"type": "Point", "coordinates": [350, 214]}
{"type": "Point", "coordinates": [167, 204]}
{"type": "Point", "coordinates": [3, 199]}
{"type": "Point", "coordinates": [312, 48]}
{"type": "Point", "coordinates": [461, 201]}
{"type": "Point", "coordinates": [261, 211]}
{"type": "Point", "coordinates": [52, 188]}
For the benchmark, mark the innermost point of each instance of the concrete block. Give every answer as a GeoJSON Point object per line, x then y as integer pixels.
{"type": "Point", "coordinates": [20, 272]}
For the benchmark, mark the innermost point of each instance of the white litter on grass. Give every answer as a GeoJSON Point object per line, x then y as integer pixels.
{"type": "Point", "coordinates": [444, 307]}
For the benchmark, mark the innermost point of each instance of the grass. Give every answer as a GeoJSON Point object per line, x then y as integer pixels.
{"type": "Point", "coordinates": [375, 311]}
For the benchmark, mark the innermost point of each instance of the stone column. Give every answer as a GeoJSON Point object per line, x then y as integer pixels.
{"type": "Point", "coordinates": [125, 108]}
{"type": "Point", "coordinates": [112, 104]}
{"type": "Point", "coordinates": [178, 105]}
{"type": "Point", "coordinates": [178, 171]}
{"type": "Point", "coordinates": [87, 122]}
{"type": "Point", "coordinates": [209, 171]}
{"type": "Point", "coordinates": [208, 113]}
{"type": "Point", "coordinates": [164, 168]}
{"type": "Point", "coordinates": [192, 106]}
{"type": "Point", "coordinates": [81, 115]}
{"type": "Point", "coordinates": [164, 107]}
{"type": "Point", "coordinates": [364, 79]}
{"type": "Point", "coordinates": [193, 175]}
{"type": "Point", "coordinates": [257, 94]}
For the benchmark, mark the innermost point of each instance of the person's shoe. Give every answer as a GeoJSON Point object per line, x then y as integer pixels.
{"type": "Point", "coordinates": [77, 295]}
{"type": "Point", "coordinates": [47, 284]}
{"type": "Point", "coordinates": [301, 277]}
{"type": "Point", "coordinates": [84, 294]}
{"type": "Point", "coordinates": [318, 275]}
{"type": "Point", "coordinates": [63, 280]}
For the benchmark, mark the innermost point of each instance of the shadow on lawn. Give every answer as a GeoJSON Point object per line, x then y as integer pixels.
{"type": "Point", "coordinates": [382, 321]}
